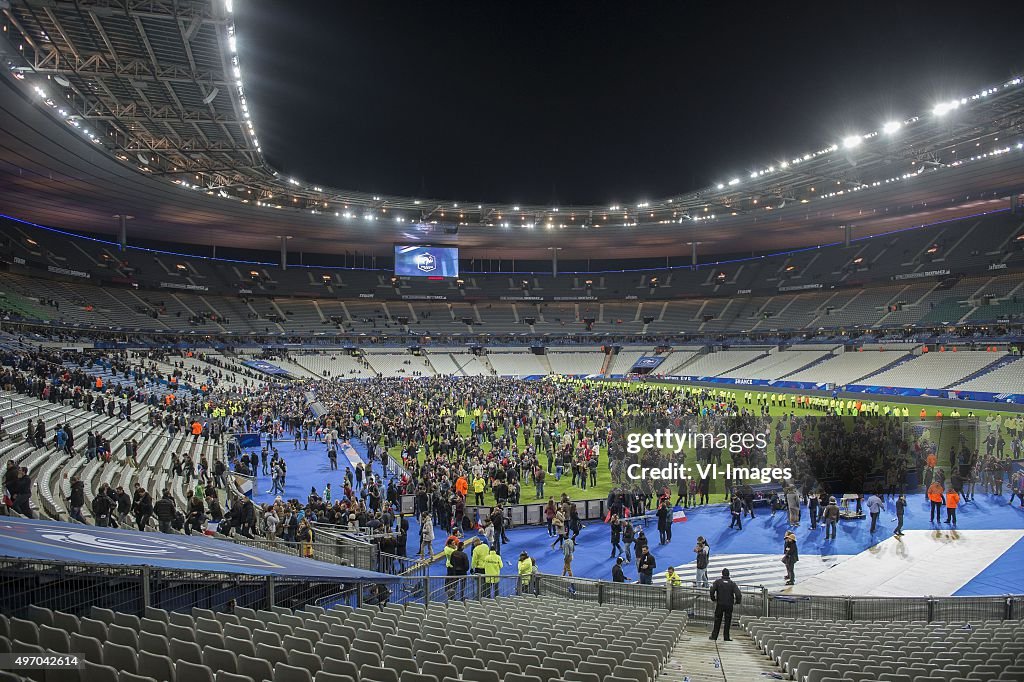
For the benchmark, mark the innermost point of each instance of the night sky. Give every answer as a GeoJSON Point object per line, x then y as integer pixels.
{"type": "Point", "coordinates": [594, 102]}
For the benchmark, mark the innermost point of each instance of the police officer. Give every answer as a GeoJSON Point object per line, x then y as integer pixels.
{"type": "Point", "coordinates": [726, 594]}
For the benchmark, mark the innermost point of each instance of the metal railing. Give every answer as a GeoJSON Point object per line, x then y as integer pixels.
{"type": "Point", "coordinates": [75, 587]}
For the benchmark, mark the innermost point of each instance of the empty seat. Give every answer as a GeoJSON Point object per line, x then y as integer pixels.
{"type": "Point", "coordinates": [302, 659]}
{"type": "Point", "coordinates": [205, 638]}
{"type": "Point", "coordinates": [123, 676]}
{"type": "Point", "coordinates": [220, 659]}
{"type": "Point", "coordinates": [504, 668]}
{"type": "Point", "coordinates": [236, 631]}
{"type": "Point", "coordinates": [54, 639]}
{"type": "Point", "coordinates": [290, 642]}
{"type": "Point", "coordinates": [439, 670]}
{"type": "Point", "coordinates": [239, 646]}
{"type": "Point", "coordinates": [99, 613]}
{"type": "Point", "coordinates": [121, 657]}
{"type": "Point", "coordinates": [185, 634]}
{"type": "Point", "coordinates": [325, 649]}
{"type": "Point", "coordinates": [193, 672]}
{"type": "Point", "coordinates": [24, 630]}
{"type": "Point", "coordinates": [371, 673]}
{"type": "Point", "coordinates": [433, 656]}
{"type": "Point", "coordinates": [289, 673]}
{"type": "Point", "coordinates": [478, 675]}
{"type": "Point", "coordinates": [361, 658]}
{"type": "Point", "coordinates": [400, 664]}
{"type": "Point", "coordinates": [157, 614]}
{"type": "Point", "coordinates": [344, 668]}
{"type": "Point", "coordinates": [223, 676]}
{"type": "Point", "coordinates": [91, 627]}
{"type": "Point", "coordinates": [39, 615]}
{"type": "Point", "coordinates": [151, 625]}
{"type": "Point", "coordinates": [545, 673]}
{"type": "Point", "coordinates": [258, 669]}
{"type": "Point", "coordinates": [272, 654]}
{"type": "Point", "coordinates": [185, 651]}
{"type": "Point", "coordinates": [96, 672]}
{"type": "Point", "coordinates": [266, 637]}
{"type": "Point", "coordinates": [126, 620]}
{"type": "Point", "coordinates": [119, 634]}
{"type": "Point", "coordinates": [68, 622]}
{"type": "Point", "coordinates": [90, 647]}
{"type": "Point", "coordinates": [157, 666]}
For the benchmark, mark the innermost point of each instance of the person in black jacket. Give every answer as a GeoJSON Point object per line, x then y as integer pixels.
{"type": "Point", "coordinates": [142, 508]}
{"type": "Point", "coordinates": [645, 565]}
{"type": "Point", "coordinates": [124, 505]}
{"type": "Point", "coordinates": [21, 493]}
{"type": "Point", "coordinates": [618, 576]}
{"type": "Point", "coordinates": [102, 507]}
{"type": "Point", "coordinates": [736, 508]}
{"type": "Point", "coordinates": [76, 500]}
{"type": "Point", "coordinates": [790, 556]}
{"type": "Point", "coordinates": [726, 594]}
{"type": "Point", "coordinates": [665, 523]}
{"type": "Point", "coordinates": [460, 569]}
{"type": "Point", "coordinates": [165, 511]}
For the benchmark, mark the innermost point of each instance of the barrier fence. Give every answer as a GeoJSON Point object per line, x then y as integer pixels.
{"type": "Point", "coordinates": [75, 587]}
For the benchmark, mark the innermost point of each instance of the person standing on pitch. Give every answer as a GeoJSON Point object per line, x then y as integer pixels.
{"type": "Point", "coordinates": [935, 502]}
{"type": "Point", "coordinates": [952, 502]}
{"type": "Point", "coordinates": [736, 508]}
{"type": "Point", "coordinates": [875, 507]}
{"type": "Point", "coordinates": [726, 594]}
{"type": "Point", "coordinates": [901, 509]}
{"type": "Point", "coordinates": [790, 556]}
{"type": "Point", "coordinates": [831, 517]}
{"type": "Point", "coordinates": [703, 553]}
{"type": "Point", "coordinates": [645, 565]}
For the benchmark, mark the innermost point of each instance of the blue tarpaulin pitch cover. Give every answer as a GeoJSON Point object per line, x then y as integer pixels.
{"type": "Point", "coordinates": [56, 541]}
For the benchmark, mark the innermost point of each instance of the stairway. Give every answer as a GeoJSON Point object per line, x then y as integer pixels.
{"type": "Point", "coordinates": [698, 659]}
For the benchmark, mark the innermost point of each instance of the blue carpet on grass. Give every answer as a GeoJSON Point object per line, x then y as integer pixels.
{"type": "Point", "coordinates": [760, 535]}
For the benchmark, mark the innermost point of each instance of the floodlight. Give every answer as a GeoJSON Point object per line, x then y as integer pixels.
{"type": "Point", "coordinates": [891, 127]}
{"type": "Point", "coordinates": [852, 141]}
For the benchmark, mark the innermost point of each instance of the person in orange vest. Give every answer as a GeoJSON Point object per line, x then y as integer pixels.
{"type": "Point", "coordinates": [924, 414]}
{"type": "Point", "coordinates": [952, 502]}
{"type": "Point", "coordinates": [197, 429]}
{"type": "Point", "coordinates": [938, 414]}
{"type": "Point", "coordinates": [99, 384]}
{"type": "Point", "coordinates": [935, 497]}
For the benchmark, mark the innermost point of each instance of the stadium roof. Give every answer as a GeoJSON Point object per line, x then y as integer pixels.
{"type": "Point", "coordinates": [138, 107]}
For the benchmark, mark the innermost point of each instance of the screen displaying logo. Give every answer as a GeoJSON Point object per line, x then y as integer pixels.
{"type": "Point", "coordinates": [426, 262]}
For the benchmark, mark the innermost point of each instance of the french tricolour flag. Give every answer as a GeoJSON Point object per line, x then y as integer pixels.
{"type": "Point", "coordinates": [678, 515]}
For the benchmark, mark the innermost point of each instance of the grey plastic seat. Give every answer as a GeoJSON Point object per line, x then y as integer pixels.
{"type": "Point", "coordinates": [157, 666]}
{"type": "Point", "coordinates": [289, 673]}
{"type": "Point", "coordinates": [240, 646]}
{"type": "Point", "coordinates": [236, 631]}
{"type": "Point", "coordinates": [54, 639]}
{"type": "Point", "coordinates": [433, 656]}
{"type": "Point", "coordinates": [204, 639]}
{"type": "Point", "coordinates": [414, 677]}
{"type": "Point", "coordinates": [545, 673]}
{"type": "Point", "coordinates": [155, 644]}
{"type": "Point", "coordinates": [123, 676]}
{"type": "Point", "coordinates": [222, 676]}
{"type": "Point", "coordinates": [39, 615]}
{"type": "Point", "coordinates": [100, 613]}
{"type": "Point", "coordinates": [153, 626]}
{"type": "Point", "coordinates": [401, 664]}
{"type": "Point", "coordinates": [68, 622]}
{"type": "Point", "coordinates": [90, 647]}
{"type": "Point", "coordinates": [193, 672]}
{"type": "Point", "coordinates": [156, 614]}
{"type": "Point", "coordinates": [266, 637]}
{"type": "Point", "coordinates": [302, 659]}
{"type": "Point", "coordinates": [504, 668]}
{"type": "Point", "coordinates": [24, 630]}
{"type": "Point", "coordinates": [209, 625]}
{"type": "Point", "coordinates": [371, 673]}
{"type": "Point", "coordinates": [96, 672]}
{"type": "Point", "coordinates": [480, 675]}
{"type": "Point", "coordinates": [182, 619]}
{"type": "Point", "coordinates": [258, 669]}
{"type": "Point", "coordinates": [272, 654]}
{"type": "Point", "coordinates": [185, 634]}
{"type": "Point", "coordinates": [185, 651]}
{"type": "Point", "coordinates": [339, 667]}
{"type": "Point", "coordinates": [439, 670]}
{"type": "Point", "coordinates": [325, 649]}
{"type": "Point", "coordinates": [361, 658]}
{"type": "Point", "coordinates": [220, 659]}
{"type": "Point", "coordinates": [577, 676]}
{"type": "Point", "coordinates": [119, 634]}
{"type": "Point", "coordinates": [517, 677]}
{"type": "Point", "coordinates": [126, 620]}
{"type": "Point", "coordinates": [524, 660]}
{"type": "Point", "coordinates": [121, 657]}
{"type": "Point", "coordinates": [291, 642]}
